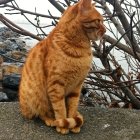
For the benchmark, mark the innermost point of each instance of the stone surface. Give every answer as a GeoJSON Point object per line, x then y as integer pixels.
{"type": "Point", "coordinates": [13, 51]}
{"type": "Point", "coordinates": [11, 68]}
{"type": "Point", "coordinates": [10, 77]}
{"type": "Point", "coordinates": [3, 97]}
{"type": "Point", "coordinates": [7, 33]}
{"type": "Point", "coordinates": [10, 84]}
{"type": "Point", "coordinates": [12, 55]}
{"type": "Point", "coordinates": [12, 47]}
{"type": "Point", "coordinates": [11, 94]}
{"type": "Point", "coordinates": [100, 124]}
{"type": "Point", "coordinates": [11, 81]}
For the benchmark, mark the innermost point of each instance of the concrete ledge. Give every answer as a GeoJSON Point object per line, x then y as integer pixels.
{"type": "Point", "coordinates": [100, 124]}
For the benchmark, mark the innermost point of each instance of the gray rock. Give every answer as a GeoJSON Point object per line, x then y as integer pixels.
{"type": "Point", "coordinates": [14, 47]}
{"type": "Point", "coordinates": [9, 42]}
{"type": "Point", "coordinates": [10, 86]}
{"type": "Point", "coordinates": [7, 33]}
{"type": "Point", "coordinates": [11, 81]}
{"type": "Point", "coordinates": [100, 124]}
{"type": "Point", "coordinates": [11, 94]}
{"type": "Point", "coordinates": [14, 44]}
{"type": "Point", "coordinates": [3, 97]}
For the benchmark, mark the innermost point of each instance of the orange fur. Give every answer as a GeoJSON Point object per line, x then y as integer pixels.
{"type": "Point", "coordinates": [56, 67]}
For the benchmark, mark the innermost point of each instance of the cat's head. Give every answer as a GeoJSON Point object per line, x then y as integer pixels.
{"type": "Point", "coordinates": [91, 20]}
{"type": "Point", "coordinates": [87, 17]}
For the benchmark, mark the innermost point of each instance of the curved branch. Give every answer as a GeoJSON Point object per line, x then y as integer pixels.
{"type": "Point", "coordinates": [16, 28]}
{"type": "Point", "coordinates": [124, 22]}
{"type": "Point", "coordinates": [57, 6]}
{"type": "Point", "coordinates": [29, 12]}
{"type": "Point", "coordinates": [5, 1]}
{"type": "Point", "coordinates": [120, 45]}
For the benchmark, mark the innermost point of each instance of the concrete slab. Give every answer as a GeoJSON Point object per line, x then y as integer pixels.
{"type": "Point", "coordinates": [100, 124]}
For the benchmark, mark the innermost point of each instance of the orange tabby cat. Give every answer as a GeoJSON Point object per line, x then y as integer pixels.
{"type": "Point", "coordinates": [56, 67]}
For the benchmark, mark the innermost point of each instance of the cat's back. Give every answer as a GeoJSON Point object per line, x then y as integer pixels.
{"type": "Point", "coordinates": [33, 72]}
{"type": "Point", "coordinates": [32, 85]}
{"type": "Point", "coordinates": [38, 52]}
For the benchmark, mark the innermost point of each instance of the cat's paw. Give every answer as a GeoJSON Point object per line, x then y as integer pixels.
{"type": "Point", "coordinates": [65, 123]}
{"type": "Point", "coordinates": [62, 130]}
{"type": "Point", "coordinates": [75, 129]}
{"type": "Point", "coordinates": [79, 120]}
{"type": "Point", "coordinates": [70, 122]}
{"type": "Point", "coordinates": [50, 122]}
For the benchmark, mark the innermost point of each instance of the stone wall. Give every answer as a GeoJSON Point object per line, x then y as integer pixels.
{"type": "Point", "coordinates": [13, 51]}
{"type": "Point", "coordinates": [100, 124]}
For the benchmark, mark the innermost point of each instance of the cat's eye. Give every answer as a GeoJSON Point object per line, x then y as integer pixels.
{"type": "Point", "coordinates": [89, 21]}
{"type": "Point", "coordinates": [92, 24]}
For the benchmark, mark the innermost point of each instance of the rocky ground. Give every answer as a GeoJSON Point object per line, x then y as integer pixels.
{"type": "Point", "coordinates": [13, 51]}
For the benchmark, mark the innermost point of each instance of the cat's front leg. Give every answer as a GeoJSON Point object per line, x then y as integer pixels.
{"type": "Point", "coordinates": [57, 98]}
{"type": "Point", "coordinates": [72, 106]}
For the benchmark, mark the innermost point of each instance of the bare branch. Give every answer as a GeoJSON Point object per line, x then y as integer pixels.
{"type": "Point", "coordinates": [57, 6]}
{"type": "Point", "coordinates": [4, 1]}
{"type": "Point", "coordinates": [16, 28]}
{"type": "Point", "coordinates": [29, 12]}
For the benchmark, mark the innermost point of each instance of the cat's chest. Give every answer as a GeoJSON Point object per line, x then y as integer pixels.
{"type": "Point", "coordinates": [70, 69]}
{"type": "Point", "coordinates": [76, 69]}
{"type": "Point", "coordinates": [82, 64]}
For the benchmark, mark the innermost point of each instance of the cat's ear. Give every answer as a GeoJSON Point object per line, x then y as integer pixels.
{"type": "Point", "coordinates": [85, 5]}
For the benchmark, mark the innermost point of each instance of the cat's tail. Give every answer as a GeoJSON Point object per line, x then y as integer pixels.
{"type": "Point", "coordinates": [70, 122]}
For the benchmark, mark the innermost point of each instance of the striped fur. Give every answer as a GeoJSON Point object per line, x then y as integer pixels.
{"type": "Point", "coordinates": [70, 123]}
{"type": "Point", "coordinates": [55, 69]}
